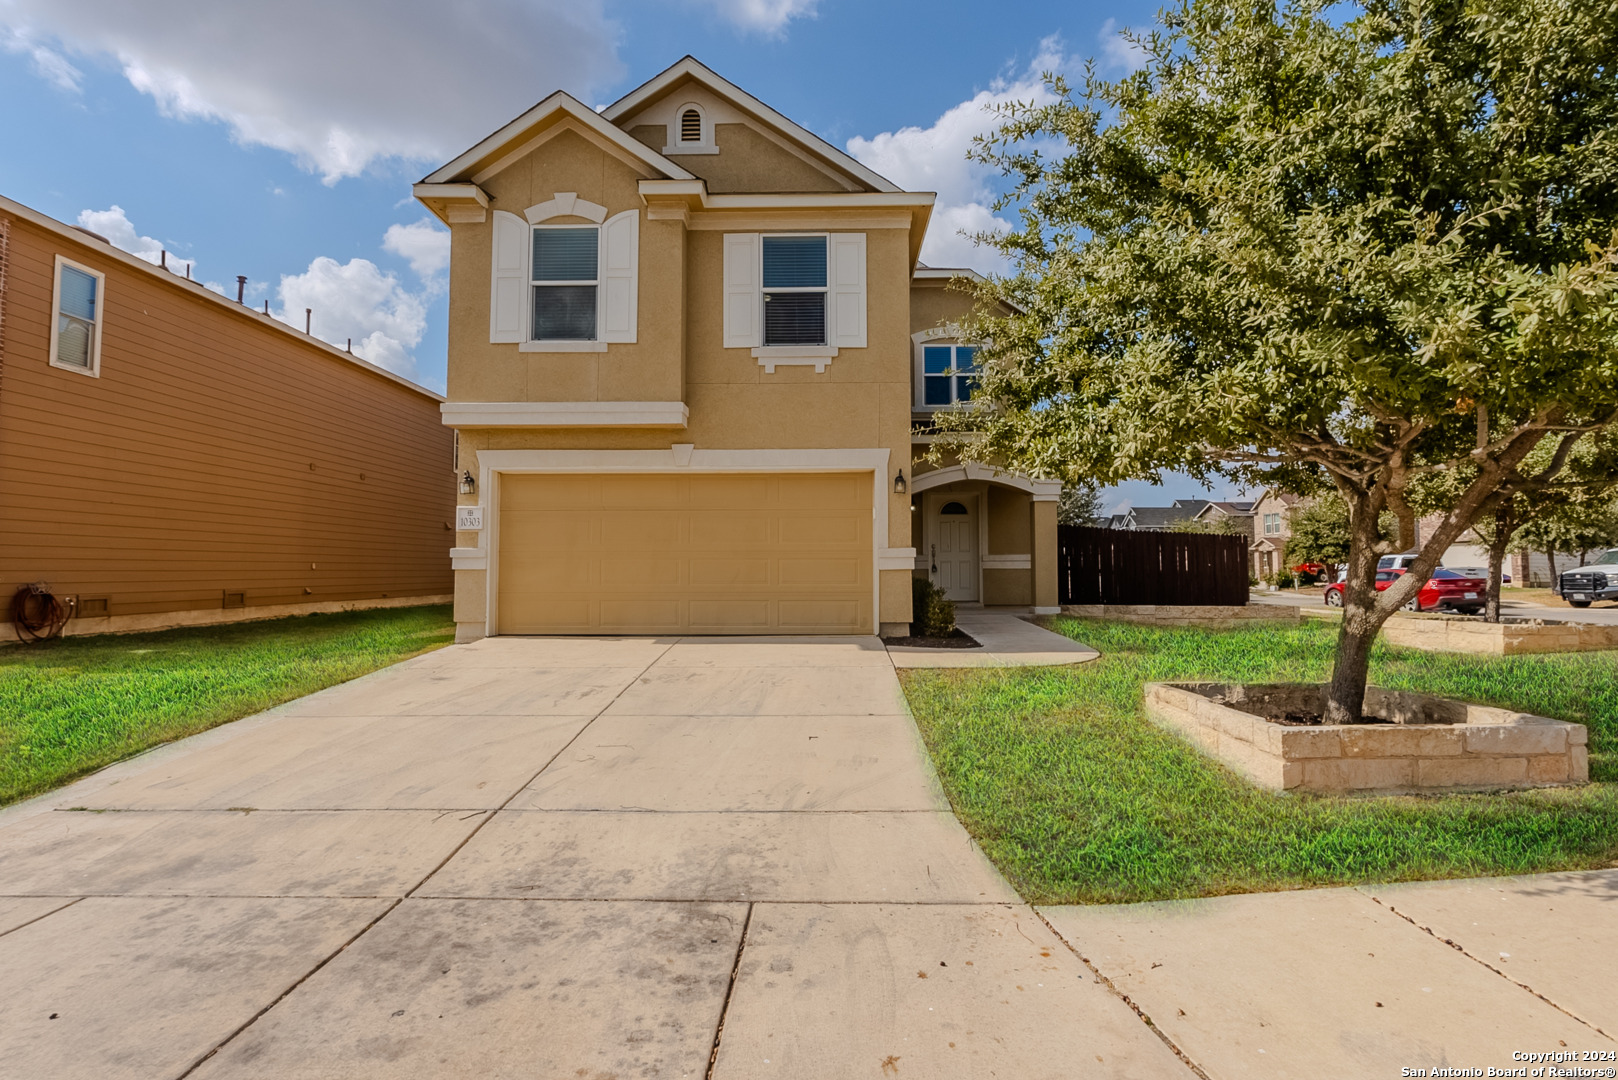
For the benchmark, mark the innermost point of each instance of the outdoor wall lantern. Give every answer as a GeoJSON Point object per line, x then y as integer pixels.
{"type": "Point", "coordinates": [469, 485]}
{"type": "Point", "coordinates": [899, 482]}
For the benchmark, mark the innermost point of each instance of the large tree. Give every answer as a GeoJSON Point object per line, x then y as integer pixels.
{"type": "Point", "coordinates": [1358, 245]}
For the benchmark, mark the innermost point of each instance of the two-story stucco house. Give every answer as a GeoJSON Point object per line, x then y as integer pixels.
{"type": "Point", "coordinates": [691, 356]}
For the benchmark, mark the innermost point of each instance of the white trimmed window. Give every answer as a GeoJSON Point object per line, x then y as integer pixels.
{"type": "Point", "coordinates": [948, 374]}
{"type": "Point", "coordinates": [78, 300]}
{"type": "Point", "coordinates": [794, 276]}
{"type": "Point", "coordinates": [795, 292]}
{"type": "Point", "coordinates": [557, 288]}
{"type": "Point", "coordinates": [565, 274]}
{"type": "Point", "coordinates": [1272, 524]}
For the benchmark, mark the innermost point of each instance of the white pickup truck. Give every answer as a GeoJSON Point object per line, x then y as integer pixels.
{"type": "Point", "coordinates": [1594, 581]}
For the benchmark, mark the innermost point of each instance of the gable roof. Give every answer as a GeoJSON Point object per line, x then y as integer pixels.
{"type": "Point", "coordinates": [690, 69]}
{"type": "Point", "coordinates": [512, 134]}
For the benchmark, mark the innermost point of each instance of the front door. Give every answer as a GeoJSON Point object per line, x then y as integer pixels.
{"type": "Point", "coordinates": [954, 550]}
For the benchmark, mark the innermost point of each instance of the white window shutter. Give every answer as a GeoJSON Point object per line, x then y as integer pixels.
{"type": "Point", "coordinates": [847, 273]}
{"type": "Point", "coordinates": [742, 296]}
{"type": "Point", "coordinates": [620, 256]}
{"type": "Point", "coordinates": [508, 285]}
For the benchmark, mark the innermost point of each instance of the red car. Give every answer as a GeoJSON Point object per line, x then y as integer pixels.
{"type": "Point", "coordinates": [1446, 590]}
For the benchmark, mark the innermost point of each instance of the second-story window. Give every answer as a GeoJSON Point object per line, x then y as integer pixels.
{"type": "Point", "coordinates": [565, 282]}
{"type": "Point", "coordinates": [1272, 524]}
{"type": "Point", "coordinates": [794, 290]}
{"type": "Point", "coordinates": [76, 336]}
{"type": "Point", "coordinates": [949, 374]}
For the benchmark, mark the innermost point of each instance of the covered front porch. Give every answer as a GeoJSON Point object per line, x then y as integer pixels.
{"type": "Point", "coordinates": [986, 536]}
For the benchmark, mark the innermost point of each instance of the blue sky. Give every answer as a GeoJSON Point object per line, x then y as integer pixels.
{"type": "Point", "coordinates": [280, 141]}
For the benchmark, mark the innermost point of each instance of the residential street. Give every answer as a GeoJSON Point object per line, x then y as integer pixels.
{"type": "Point", "coordinates": [637, 858]}
{"type": "Point", "coordinates": [1605, 614]}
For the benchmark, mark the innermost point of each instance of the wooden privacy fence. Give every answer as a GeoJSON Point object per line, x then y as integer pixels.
{"type": "Point", "coordinates": [1124, 566]}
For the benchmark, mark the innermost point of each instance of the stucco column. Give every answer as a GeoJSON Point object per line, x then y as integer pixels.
{"type": "Point", "coordinates": [1042, 564]}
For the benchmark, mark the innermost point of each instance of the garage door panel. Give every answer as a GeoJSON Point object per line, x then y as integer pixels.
{"type": "Point", "coordinates": [817, 616]}
{"type": "Point", "coordinates": [730, 529]}
{"type": "Point", "coordinates": [821, 572]}
{"type": "Point", "coordinates": [699, 553]}
{"type": "Point", "coordinates": [730, 571]}
{"type": "Point", "coordinates": [729, 492]}
{"type": "Point", "coordinates": [563, 493]}
{"type": "Point", "coordinates": [617, 570]}
{"type": "Point", "coordinates": [641, 615]}
{"type": "Point", "coordinates": [731, 615]}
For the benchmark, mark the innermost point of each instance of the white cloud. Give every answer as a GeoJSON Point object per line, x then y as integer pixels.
{"type": "Point", "coordinates": [48, 64]}
{"type": "Point", "coordinates": [115, 225]}
{"type": "Point", "coordinates": [357, 301]}
{"type": "Point", "coordinates": [766, 16]}
{"type": "Point", "coordinates": [425, 244]}
{"type": "Point", "coordinates": [337, 85]}
{"type": "Point", "coordinates": [934, 159]}
{"type": "Point", "coordinates": [1118, 51]}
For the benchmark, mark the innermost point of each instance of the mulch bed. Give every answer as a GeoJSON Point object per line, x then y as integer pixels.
{"type": "Point", "coordinates": [958, 640]}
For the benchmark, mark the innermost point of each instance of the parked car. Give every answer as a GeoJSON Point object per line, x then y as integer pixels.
{"type": "Point", "coordinates": [1446, 590]}
{"type": "Point", "coordinates": [1483, 572]}
{"type": "Point", "coordinates": [1594, 581]}
{"type": "Point", "coordinates": [1401, 562]}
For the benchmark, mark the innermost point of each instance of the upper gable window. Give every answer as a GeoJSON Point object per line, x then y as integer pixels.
{"type": "Point", "coordinates": [565, 280]}
{"type": "Point", "coordinates": [76, 331]}
{"type": "Point", "coordinates": [794, 290]}
{"type": "Point", "coordinates": [949, 374]}
{"type": "Point", "coordinates": [690, 126]}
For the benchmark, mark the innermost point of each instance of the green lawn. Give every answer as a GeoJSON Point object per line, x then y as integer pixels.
{"type": "Point", "coordinates": [1079, 799]}
{"type": "Point", "coordinates": [71, 706]}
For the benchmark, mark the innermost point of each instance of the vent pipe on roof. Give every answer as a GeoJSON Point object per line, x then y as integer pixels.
{"type": "Point", "coordinates": [266, 307]}
{"type": "Point", "coordinates": [350, 344]}
{"type": "Point", "coordinates": [163, 258]}
{"type": "Point", "coordinates": [308, 318]}
{"type": "Point", "coordinates": [188, 271]}
{"type": "Point", "coordinates": [241, 287]}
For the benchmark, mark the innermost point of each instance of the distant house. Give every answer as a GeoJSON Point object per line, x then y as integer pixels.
{"type": "Point", "coordinates": [1151, 517]}
{"type": "Point", "coordinates": [1272, 528]}
{"type": "Point", "coordinates": [170, 457]}
{"type": "Point", "coordinates": [1234, 516]}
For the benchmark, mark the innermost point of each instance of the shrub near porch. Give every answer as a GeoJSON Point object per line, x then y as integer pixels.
{"type": "Point", "coordinates": [1079, 799]}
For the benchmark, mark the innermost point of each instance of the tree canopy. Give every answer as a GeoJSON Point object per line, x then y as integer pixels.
{"type": "Point", "coordinates": [1317, 244]}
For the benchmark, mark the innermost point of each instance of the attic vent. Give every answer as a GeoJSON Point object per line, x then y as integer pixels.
{"type": "Point", "coordinates": [691, 126]}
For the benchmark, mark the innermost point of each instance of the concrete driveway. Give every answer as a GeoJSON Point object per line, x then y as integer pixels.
{"type": "Point", "coordinates": [592, 859]}
{"type": "Point", "coordinates": [542, 858]}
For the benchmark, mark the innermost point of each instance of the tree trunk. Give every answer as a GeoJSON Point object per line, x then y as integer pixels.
{"type": "Point", "coordinates": [1497, 559]}
{"type": "Point", "coordinates": [1345, 696]}
{"type": "Point", "coordinates": [1556, 579]}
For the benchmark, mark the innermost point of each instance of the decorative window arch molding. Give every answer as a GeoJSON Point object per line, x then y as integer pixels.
{"type": "Point", "coordinates": [566, 204]}
{"type": "Point", "coordinates": [1040, 490]}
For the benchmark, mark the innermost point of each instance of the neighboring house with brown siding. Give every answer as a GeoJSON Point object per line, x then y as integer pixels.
{"type": "Point", "coordinates": [171, 457]}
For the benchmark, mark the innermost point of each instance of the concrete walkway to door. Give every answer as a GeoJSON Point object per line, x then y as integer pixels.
{"type": "Point", "coordinates": [542, 858]}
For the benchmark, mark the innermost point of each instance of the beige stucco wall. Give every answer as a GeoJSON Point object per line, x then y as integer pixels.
{"type": "Point", "coordinates": [935, 302]}
{"type": "Point", "coordinates": [1009, 521]}
{"type": "Point", "coordinates": [749, 161]}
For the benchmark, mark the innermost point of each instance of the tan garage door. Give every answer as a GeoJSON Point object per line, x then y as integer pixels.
{"type": "Point", "coordinates": [786, 553]}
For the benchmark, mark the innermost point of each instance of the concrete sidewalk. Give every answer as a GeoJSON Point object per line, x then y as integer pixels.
{"type": "Point", "coordinates": [640, 858]}
{"type": "Point", "coordinates": [1008, 640]}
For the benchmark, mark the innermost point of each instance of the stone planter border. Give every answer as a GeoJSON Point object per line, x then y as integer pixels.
{"type": "Point", "coordinates": [1434, 744]}
{"type": "Point", "coordinates": [1467, 634]}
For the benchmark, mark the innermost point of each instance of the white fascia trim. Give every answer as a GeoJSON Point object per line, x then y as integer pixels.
{"type": "Point", "coordinates": [1041, 490]}
{"type": "Point", "coordinates": [896, 559]}
{"type": "Point", "coordinates": [562, 346]}
{"type": "Point", "coordinates": [696, 193]}
{"type": "Point", "coordinates": [468, 558]}
{"type": "Point", "coordinates": [451, 192]}
{"type": "Point", "coordinates": [770, 356]}
{"type": "Point", "coordinates": [679, 458]}
{"type": "Point", "coordinates": [560, 101]}
{"type": "Point", "coordinates": [195, 290]}
{"type": "Point", "coordinates": [939, 273]}
{"type": "Point", "coordinates": [701, 73]}
{"type": "Point", "coordinates": [617, 414]}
